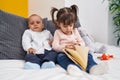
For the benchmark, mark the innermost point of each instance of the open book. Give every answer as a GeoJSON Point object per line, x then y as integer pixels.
{"type": "Point", "coordinates": [79, 55]}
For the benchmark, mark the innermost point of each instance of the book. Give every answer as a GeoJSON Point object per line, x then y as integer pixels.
{"type": "Point", "coordinates": [79, 55]}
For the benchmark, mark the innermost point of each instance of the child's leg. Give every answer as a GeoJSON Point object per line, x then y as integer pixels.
{"type": "Point", "coordinates": [49, 60]}
{"type": "Point", "coordinates": [50, 55]}
{"type": "Point", "coordinates": [94, 68]}
{"type": "Point", "coordinates": [32, 58]}
{"type": "Point", "coordinates": [64, 61]}
{"type": "Point", "coordinates": [32, 62]}
{"type": "Point", "coordinates": [68, 65]}
{"type": "Point", "coordinates": [90, 63]}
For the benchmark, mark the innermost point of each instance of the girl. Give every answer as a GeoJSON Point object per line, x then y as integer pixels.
{"type": "Point", "coordinates": [66, 36]}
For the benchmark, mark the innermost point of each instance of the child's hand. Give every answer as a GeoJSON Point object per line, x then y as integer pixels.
{"type": "Point", "coordinates": [74, 43]}
{"type": "Point", "coordinates": [70, 46]}
{"type": "Point", "coordinates": [50, 42]}
{"type": "Point", "coordinates": [31, 50]}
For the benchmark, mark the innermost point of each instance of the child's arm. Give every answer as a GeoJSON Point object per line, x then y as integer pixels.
{"type": "Point", "coordinates": [26, 40]}
{"type": "Point", "coordinates": [56, 42]}
{"type": "Point", "coordinates": [50, 39]}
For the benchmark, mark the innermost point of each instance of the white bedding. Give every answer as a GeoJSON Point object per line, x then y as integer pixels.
{"type": "Point", "coordinates": [13, 70]}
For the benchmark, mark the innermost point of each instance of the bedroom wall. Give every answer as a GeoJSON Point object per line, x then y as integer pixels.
{"type": "Point", "coordinates": [43, 7]}
{"type": "Point", "coordinates": [111, 39]}
{"type": "Point", "coordinates": [93, 15]}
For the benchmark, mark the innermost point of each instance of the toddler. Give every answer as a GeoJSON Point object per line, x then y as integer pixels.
{"type": "Point", "coordinates": [66, 36]}
{"type": "Point", "coordinates": [37, 42]}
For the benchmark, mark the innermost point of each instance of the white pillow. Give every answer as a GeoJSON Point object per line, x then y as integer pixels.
{"type": "Point", "coordinates": [90, 43]}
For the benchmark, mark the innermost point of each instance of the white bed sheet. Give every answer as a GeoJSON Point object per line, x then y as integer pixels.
{"type": "Point", "coordinates": [13, 70]}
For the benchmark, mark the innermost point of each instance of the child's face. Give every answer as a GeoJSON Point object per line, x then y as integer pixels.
{"type": "Point", "coordinates": [66, 29]}
{"type": "Point", "coordinates": [35, 23]}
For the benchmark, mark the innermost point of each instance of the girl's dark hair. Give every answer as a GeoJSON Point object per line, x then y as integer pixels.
{"type": "Point", "coordinates": [66, 15]}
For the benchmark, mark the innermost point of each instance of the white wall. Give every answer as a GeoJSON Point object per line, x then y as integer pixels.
{"type": "Point", "coordinates": [43, 7]}
{"type": "Point", "coordinates": [93, 15]}
{"type": "Point", "coordinates": [112, 40]}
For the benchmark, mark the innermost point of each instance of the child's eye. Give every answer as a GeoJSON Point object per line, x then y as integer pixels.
{"type": "Point", "coordinates": [65, 26]}
{"type": "Point", "coordinates": [32, 23]}
{"type": "Point", "coordinates": [38, 22]}
{"type": "Point", "coordinates": [70, 25]}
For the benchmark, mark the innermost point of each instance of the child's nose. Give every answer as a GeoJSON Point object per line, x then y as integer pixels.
{"type": "Point", "coordinates": [35, 23]}
{"type": "Point", "coordinates": [68, 28]}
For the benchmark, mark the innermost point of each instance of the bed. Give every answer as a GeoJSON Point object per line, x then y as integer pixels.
{"type": "Point", "coordinates": [12, 55]}
{"type": "Point", "coordinates": [13, 70]}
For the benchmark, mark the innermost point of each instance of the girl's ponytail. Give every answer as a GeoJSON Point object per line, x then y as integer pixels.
{"type": "Point", "coordinates": [52, 14]}
{"type": "Point", "coordinates": [75, 10]}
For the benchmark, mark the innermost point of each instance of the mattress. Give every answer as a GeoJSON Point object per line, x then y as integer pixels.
{"type": "Point", "coordinates": [13, 69]}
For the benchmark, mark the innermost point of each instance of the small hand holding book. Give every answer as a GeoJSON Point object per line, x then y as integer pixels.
{"type": "Point", "coordinates": [79, 55]}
